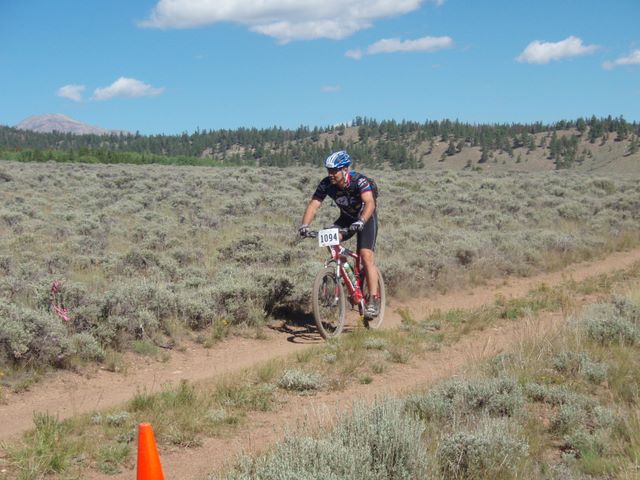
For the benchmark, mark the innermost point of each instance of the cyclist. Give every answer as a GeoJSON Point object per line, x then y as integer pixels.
{"type": "Point", "coordinates": [355, 197]}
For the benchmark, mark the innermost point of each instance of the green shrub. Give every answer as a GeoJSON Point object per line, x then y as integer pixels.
{"type": "Point", "coordinates": [595, 372]}
{"type": "Point", "coordinates": [5, 264]}
{"type": "Point", "coordinates": [86, 347]}
{"type": "Point", "coordinates": [581, 443]}
{"type": "Point", "coordinates": [391, 439]}
{"type": "Point", "coordinates": [492, 450]}
{"type": "Point", "coordinates": [570, 418]}
{"type": "Point", "coordinates": [556, 395]}
{"type": "Point", "coordinates": [132, 310]}
{"type": "Point", "coordinates": [627, 308]}
{"type": "Point", "coordinates": [115, 419]}
{"type": "Point", "coordinates": [330, 357]}
{"type": "Point", "coordinates": [580, 364]}
{"type": "Point", "coordinates": [455, 398]}
{"type": "Point", "coordinates": [220, 416]}
{"type": "Point", "coordinates": [196, 309]}
{"type": "Point", "coordinates": [33, 336]}
{"type": "Point", "coordinates": [300, 381]}
{"type": "Point", "coordinates": [187, 256]}
{"type": "Point", "coordinates": [603, 418]}
{"type": "Point", "coordinates": [604, 324]}
{"type": "Point", "coordinates": [371, 443]}
{"type": "Point", "coordinates": [373, 343]}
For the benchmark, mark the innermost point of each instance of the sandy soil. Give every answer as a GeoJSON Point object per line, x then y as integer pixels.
{"type": "Point", "coordinates": [66, 394]}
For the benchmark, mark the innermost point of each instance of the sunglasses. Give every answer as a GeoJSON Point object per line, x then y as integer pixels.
{"type": "Point", "coordinates": [333, 170]}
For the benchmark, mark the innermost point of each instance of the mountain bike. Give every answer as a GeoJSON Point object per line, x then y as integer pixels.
{"type": "Point", "coordinates": [341, 279]}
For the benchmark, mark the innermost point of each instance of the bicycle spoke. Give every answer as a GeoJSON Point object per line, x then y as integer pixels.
{"type": "Point", "coordinates": [328, 304]}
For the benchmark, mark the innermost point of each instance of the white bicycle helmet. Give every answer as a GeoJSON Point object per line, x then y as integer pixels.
{"type": "Point", "coordinates": [339, 159]}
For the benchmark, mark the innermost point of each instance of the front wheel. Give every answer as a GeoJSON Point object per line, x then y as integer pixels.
{"type": "Point", "coordinates": [377, 321]}
{"type": "Point", "coordinates": [328, 300]}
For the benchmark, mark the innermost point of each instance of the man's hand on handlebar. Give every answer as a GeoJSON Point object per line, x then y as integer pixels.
{"type": "Point", "coordinates": [357, 226]}
{"type": "Point", "coordinates": [303, 230]}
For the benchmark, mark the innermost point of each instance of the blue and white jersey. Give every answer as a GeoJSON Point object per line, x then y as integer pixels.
{"type": "Point", "coordinates": [348, 199]}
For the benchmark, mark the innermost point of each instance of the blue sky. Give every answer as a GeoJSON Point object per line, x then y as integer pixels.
{"type": "Point", "coordinates": [172, 66]}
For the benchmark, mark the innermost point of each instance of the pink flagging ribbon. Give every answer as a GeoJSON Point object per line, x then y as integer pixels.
{"type": "Point", "coordinates": [56, 303]}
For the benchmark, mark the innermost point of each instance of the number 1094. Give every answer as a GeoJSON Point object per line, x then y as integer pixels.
{"type": "Point", "coordinates": [328, 237]}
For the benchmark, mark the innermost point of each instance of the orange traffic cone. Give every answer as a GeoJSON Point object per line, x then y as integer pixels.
{"type": "Point", "coordinates": [149, 467]}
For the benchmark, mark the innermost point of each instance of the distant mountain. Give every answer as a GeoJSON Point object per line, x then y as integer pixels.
{"type": "Point", "coordinates": [56, 122]}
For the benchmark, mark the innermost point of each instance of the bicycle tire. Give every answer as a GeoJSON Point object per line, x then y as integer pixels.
{"type": "Point", "coordinates": [329, 304]}
{"type": "Point", "coordinates": [377, 321]}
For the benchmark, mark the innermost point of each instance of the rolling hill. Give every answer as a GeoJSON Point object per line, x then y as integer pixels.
{"type": "Point", "coordinates": [56, 122]}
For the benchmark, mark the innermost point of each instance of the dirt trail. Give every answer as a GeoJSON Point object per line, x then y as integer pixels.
{"type": "Point", "coordinates": [66, 394]}
{"type": "Point", "coordinates": [265, 429]}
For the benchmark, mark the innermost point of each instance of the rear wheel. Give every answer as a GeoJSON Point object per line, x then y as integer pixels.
{"type": "Point", "coordinates": [328, 300]}
{"type": "Point", "coordinates": [377, 321]}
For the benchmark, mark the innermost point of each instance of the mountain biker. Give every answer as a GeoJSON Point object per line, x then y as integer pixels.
{"type": "Point", "coordinates": [354, 195]}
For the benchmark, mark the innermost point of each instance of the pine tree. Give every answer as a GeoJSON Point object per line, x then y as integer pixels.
{"type": "Point", "coordinates": [484, 157]}
{"type": "Point", "coordinates": [554, 146]}
{"type": "Point", "coordinates": [531, 143]}
{"type": "Point", "coordinates": [621, 131]}
{"type": "Point", "coordinates": [452, 148]}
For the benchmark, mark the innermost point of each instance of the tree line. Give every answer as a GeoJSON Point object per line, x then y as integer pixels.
{"type": "Point", "coordinates": [377, 142]}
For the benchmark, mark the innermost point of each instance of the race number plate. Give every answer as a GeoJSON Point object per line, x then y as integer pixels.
{"type": "Point", "coordinates": [328, 237]}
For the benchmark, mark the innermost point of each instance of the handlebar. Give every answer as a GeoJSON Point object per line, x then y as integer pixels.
{"type": "Point", "coordinates": [314, 233]}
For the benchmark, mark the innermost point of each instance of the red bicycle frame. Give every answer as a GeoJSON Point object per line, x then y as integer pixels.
{"type": "Point", "coordinates": [339, 255]}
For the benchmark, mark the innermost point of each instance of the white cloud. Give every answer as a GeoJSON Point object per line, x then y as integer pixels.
{"type": "Point", "coordinates": [72, 92]}
{"type": "Point", "coordinates": [544, 52]}
{"type": "Point", "coordinates": [632, 59]}
{"type": "Point", "coordinates": [331, 89]}
{"type": "Point", "coordinates": [126, 87]}
{"type": "Point", "coordinates": [424, 44]}
{"type": "Point", "coordinates": [393, 45]}
{"type": "Point", "coordinates": [285, 20]}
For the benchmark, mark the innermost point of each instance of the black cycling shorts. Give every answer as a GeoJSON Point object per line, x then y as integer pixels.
{"type": "Point", "coordinates": [367, 237]}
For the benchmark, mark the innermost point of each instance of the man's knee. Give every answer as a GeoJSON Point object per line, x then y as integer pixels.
{"type": "Point", "coordinates": [367, 256]}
